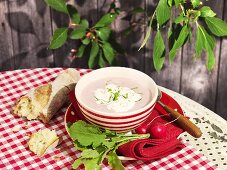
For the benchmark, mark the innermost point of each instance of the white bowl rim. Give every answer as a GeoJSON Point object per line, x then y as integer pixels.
{"type": "Point", "coordinates": [114, 114]}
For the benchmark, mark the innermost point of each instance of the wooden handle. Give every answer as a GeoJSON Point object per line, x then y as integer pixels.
{"type": "Point", "coordinates": [184, 122]}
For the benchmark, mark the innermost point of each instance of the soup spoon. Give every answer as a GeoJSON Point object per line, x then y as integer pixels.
{"type": "Point", "coordinates": [181, 120]}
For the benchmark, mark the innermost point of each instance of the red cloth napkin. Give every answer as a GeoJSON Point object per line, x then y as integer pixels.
{"type": "Point", "coordinates": [152, 149]}
{"type": "Point", "coordinates": [147, 149]}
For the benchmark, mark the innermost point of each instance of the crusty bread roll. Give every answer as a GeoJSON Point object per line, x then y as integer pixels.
{"type": "Point", "coordinates": [45, 100]}
{"type": "Point", "coordinates": [43, 140]}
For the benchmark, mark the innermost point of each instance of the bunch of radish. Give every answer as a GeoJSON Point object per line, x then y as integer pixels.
{"type": "Point", "coordinates": [156, 130]}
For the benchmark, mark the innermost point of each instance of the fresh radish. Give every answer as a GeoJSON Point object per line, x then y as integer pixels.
{"type": "Point", "coordinates": [142, 129]}
{"type": "Point", "coordinates": [157, 131]}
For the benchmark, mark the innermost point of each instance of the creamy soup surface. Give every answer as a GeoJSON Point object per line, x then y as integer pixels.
{"type": "Point", "coordinates": [116, 95]}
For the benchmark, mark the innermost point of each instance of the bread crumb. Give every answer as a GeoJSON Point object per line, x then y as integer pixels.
{"type": "Point", "coordinates": [16, 128]}
{"type": "Point", "coordinates": [42, 141]}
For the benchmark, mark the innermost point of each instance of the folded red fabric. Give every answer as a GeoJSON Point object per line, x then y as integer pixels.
{"type": "Point", "coordinates": [147, 149]}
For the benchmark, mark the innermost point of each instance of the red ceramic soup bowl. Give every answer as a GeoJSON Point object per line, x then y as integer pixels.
{"type": "Point", "coordinates": [99, 115]}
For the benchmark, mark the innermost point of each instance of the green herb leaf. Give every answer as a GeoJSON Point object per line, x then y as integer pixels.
{"type": "Point", "coordinates": [158, 52]}
{"type": "Point", "coordinates": [81, 50]}
{"type": "Point", "coordinates": [86, 41]}
{"type": "Point", "coordinates": [78, 33]}
{"type": "Point", "coordinates": [86, 134]}
{"type": "Point", "coordinates": [114, 161]}
{"type": "Point", "coordinates": [195, 3]}
{"type": "Point", "coordinates": [199, 44]}
{"type": "Point", "coordinates": [179, 42]}
{"type": "Point", "coordinates": [109, 52]}
{"type": "Point", "coordinates": [73, 13]}
{"type": "Point", "coordinates": [90, 153]}
{"type": "Point", "coordinates": [59, 38]}
{"type": "Point", "coordinates": [58, 5]}
{"type": "Point", "coordinates": [93, 54]}
{"type": "Point", "coordinates": [104, 33]}
{"type": "Point", "coordinates": [207, 12]}
{"type": "Point", "coordinates": [106, 20]}
{"type": "Point", "coordinates": [77, 163]}
{"type": "Point", "coordinates": [163, 12]}
{"type": "Point", "coordinates": [216, 26]}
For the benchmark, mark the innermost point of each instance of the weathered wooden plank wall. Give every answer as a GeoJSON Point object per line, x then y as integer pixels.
{"type": "Point", "coordinates": [26, 27]}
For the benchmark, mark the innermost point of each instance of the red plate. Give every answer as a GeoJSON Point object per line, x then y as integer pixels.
{"type": "Point", "coordinates": [73, 115]}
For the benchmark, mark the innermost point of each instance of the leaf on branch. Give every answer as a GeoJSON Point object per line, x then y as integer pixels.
{"type": "Point", "coordinates": [58, 5]}
{"type": "Point", "coordinates": [206, 11]}
{"type": "Point", "coordinates": [106, 20]}
{"type": "Point", "coordinates": [178, 2]}
{"type": "Point", "coordinates": [109, 52]}
{"type": "Point", "coordinates": [209, 44]}
{"type": "Point", "coordinates": [93, 54]}
{"type": "Point", "coordinates": [216, 26]}
{"type": "Point", "coordinates": [181, 18]}
{"type": "Point", "coordinates": [84, 23]}
{"type": "Point", "coordinates": [101, 60]}
{"type": "Point", "coordinates": [73, 13]}
{"type": "Point", "coordinates": [86, 41]}
{"type": "Point", "coordinates": [163, 12]}
{"type": "Point", "coordinates": [104, 33]}
{"type": "Point", "coordinates": [195, 3]}
{"type": "Point", "coordinates": [78, 33]}
{"type": "Point", "coordinates": [158, 52]}
{"type": "Point", "coordinates": [81, 51]}
{"type": "Point", "coordinates": [148, 33]}
{"type": "Point", "coordinates": [170, 2]}
{"type": "Point", "coordinates": [179, 42]}
{"type": "Point", "coordinates": [199, 44]}
{"type": "Point", "coordinates": [59, 38]}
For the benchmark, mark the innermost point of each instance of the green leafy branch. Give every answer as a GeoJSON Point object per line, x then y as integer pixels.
{"type": "Point", "coordinates": [95, 39]}
{"type": "Point", "coordinates": [180, 30]}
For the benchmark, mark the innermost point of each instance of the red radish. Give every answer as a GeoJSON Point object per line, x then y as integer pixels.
{"type": "Point", "coordinates": [142, 129]}
{"type": "Point", "coordinates": [158, 131]}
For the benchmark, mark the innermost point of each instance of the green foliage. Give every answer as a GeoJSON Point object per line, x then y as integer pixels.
{"type": "Point", "coordinates": [180, 32]}
{"type": "Point", "coordinates": [98, 144]}
{"type": "Point", "coordinates": [216, 26]}
{"type": "Point", "coordinates": [97, 39]}
{"type": "Point", "coordinates": [58, 5]}
{"type": "Point", "coordinates": [163, 12]}
{"type": "Point", "coordinates": [59, 38]}
{"type": "Point", "coordinates": [159, 51]}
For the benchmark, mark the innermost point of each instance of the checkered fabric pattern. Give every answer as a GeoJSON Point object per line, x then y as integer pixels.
{"type": "Point", "coordinates": [15, 132]}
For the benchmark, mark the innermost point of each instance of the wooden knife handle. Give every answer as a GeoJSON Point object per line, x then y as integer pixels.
{"type": "Point", "coordinates": [184, 122]}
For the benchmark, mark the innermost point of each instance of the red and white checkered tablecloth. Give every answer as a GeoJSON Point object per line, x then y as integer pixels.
{"type": "Point", "coordinates": [15, 131]}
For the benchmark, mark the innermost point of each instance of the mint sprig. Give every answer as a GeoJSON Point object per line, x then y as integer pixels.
{"type": "Point", "coordinates": [98, 144]}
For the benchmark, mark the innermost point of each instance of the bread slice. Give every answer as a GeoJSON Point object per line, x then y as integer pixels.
{"type": "Point", "coordinates": [45, 100]}
{"type": "Point", "coordinates": [42, 141]}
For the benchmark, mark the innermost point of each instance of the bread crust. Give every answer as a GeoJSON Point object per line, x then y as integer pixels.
{"type": "Point", "coordinates": [44, 101]}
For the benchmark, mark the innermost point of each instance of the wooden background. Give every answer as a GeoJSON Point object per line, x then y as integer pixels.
{"type": "Point", "coordinates": [26, 27]}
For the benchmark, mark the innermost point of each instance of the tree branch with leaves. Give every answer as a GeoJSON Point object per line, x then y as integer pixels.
{"type": "Point", "coordinates": [100, 42]}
